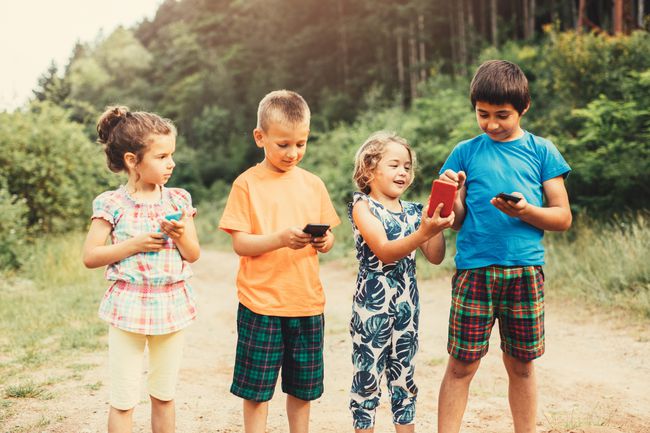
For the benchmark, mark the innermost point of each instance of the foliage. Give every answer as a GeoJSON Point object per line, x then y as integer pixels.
{"type": "Point", "coordinates": [12, 227]}
{"type": "Point", "coordinates": [49, 165]}
{"type": "Point", "coordinates": [611, 266]}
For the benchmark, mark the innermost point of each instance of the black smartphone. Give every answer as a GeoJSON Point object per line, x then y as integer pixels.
{"type": "Point", "coordinates": [316, 230]}
{"type": "Point", "coordinates": [508, 197]}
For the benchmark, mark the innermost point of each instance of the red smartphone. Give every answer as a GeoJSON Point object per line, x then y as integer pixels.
{"type": "Point", "coordinates": [442, 192]}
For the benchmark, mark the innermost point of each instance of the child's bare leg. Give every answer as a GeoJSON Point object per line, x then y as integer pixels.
{"type": "Point", "coordinates": [453, 394]}
{"type": "Point", "coordinates": [409, 428]}
{"type": "Point", "coordinates": [255, 414]}
{"type": "Point", "coordinates": [163, 416]}
{"type": "Point", "coordinates": [298, 414]}
{"type": "Point", "coordinates": [120, 421]}
{"type": "Point", "coordinates": [522, 393]}
{"type": "Point", "coordinates": [364, 430]}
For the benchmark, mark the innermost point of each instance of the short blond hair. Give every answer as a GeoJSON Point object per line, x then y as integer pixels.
{"type": "Point", "coordinates": [282, 106]}
{"type": "Point", "coordinates": [371, 152]}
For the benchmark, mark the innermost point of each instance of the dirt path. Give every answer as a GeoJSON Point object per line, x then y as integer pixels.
{"type": "Point", "coordinates": [594, 378]}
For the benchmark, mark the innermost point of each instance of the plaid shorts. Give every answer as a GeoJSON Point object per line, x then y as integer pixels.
{"type": "Point", "coordinates": [266, 344]}
{"type": "Point", "coordinates": [514, 295]}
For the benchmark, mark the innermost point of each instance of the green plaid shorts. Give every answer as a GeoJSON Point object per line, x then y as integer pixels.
{"type": "Point", "coordinates": [514, 295]}
{"type": "Point", "coordinates": [268, 344]}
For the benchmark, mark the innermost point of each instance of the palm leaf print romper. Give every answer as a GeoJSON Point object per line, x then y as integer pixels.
{"type": "Point", "coordinates": [384, 325]}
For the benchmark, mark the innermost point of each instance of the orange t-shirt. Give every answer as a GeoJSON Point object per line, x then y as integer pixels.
{"type": "Point", "coordinates": [284, 282]}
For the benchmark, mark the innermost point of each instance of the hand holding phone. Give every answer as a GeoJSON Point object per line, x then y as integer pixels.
{"type": "Point", "coordinates": [508, 197]}
{"type": "Point", "coordinates": [316, 230]}
{"type": "Point", "coordinates": [176, 216]}
{"type": "Point", "coordinates": [442, 192]}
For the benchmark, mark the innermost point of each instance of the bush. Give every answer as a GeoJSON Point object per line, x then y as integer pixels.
{"type": "Point", "coordinates": [51, 167]}
{"type": "Point", "coordinates": [13, 225]}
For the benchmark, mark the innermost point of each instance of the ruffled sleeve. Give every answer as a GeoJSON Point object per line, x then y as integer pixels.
{"type": "Point", "coordinates": [182, 200]}
{"type": "Point", "coordinates": [104, 207]}
{"type": "Point", "coordinates": [371, 205]}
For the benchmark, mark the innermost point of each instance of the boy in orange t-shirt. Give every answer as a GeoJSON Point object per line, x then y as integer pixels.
{"type": "Point", "coordinates": [280, 316]}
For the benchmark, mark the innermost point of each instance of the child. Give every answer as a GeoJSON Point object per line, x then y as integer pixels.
{"type": "Point", "coordinates": [280, 315]}
{"type": "Point", "coordinates": [499, 251]}
{"type": "Point", "coordinates": [149, 301]}
{"type": "Point", "coordinates": [386, 307]}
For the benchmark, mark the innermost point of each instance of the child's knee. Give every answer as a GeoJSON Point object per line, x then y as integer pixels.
{"type": "Point", "coordinates": [459, 370]}
{"type": "Point", "coordinates": [518, 368]}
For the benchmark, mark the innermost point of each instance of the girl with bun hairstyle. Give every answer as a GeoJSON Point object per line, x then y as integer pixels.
{"type": "Point", "coordinates": [149, 301]}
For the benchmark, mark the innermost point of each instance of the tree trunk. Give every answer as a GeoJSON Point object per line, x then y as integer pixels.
{"type": "Point", "coordinates": [462, 42]}
{"type": "Point", "coordinates": [493, 22]}
{"type": "Point", "coordinates": [581, 15]}
{"type": "Point", "coordinates": [526, 18]}
{"type": "Point", "coordinates": [618, 17]}
{"type": "Point", "coordinates": [344, 44]}
{"type": "Point", "coordinates": [453, 37]}
{"type": "Point", "coordinates": [574, 15]}
{"type": "Point", "coordinates": [423, 60]}
{"type": "Point", "coordinates": [553, 12]}
{"type": "Point", "coordinates": [413, 63]}
{"type": "Point", "coordinates": [531, 18]}
{"type": "Point", "coordinates": [400, 64]}
{"type": "Point", "coordinates": [639, 13]}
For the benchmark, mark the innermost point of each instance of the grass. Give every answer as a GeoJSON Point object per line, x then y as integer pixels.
{"type": "Point", "coordinates": [48, 310]}
{"type": "Point", "coordinates": [604, 263]}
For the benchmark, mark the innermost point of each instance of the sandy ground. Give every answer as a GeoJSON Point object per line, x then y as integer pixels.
{"type": "Point", "coordinates": [594, 377]}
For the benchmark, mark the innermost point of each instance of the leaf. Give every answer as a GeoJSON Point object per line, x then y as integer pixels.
{"type": "Point", "coordinates": [371, 294]}
{"type": "Point", "coordinates": [377, 330]}
{"type": "Point", "coordinates": [406, 347]}
{"type": "Point", "coordinates": [364, 384]}
{"type": "Point", "coordinates": [362, 357]}
{"type": "Point", "coordinates": [402, 316]}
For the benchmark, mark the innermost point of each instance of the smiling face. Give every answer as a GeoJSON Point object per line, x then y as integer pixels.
{"type": "Point", "coordinates": [393, 174]}
{"type": "Point", "coordinates": [499, 122]}
{"type": "Point", "coordinates": [157, 164]}
{"type": "Point", "coordinates": [284, 144]}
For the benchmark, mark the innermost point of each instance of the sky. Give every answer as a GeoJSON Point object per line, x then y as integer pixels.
{"type": "Point", "coordinates": [33, 33]}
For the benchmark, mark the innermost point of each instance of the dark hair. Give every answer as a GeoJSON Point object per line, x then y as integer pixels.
{"type": "Point", "coordinates": [122, 131]}
{"type": "Point", "coordinates": [282, 106]}
{"type": "Point", "coordinates": [500, 82]}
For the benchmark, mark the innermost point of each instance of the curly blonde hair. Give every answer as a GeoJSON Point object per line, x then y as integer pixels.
{"type": "Point", "coordinates": [371, 152]}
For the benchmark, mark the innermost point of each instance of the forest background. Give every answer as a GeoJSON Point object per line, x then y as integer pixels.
{"type": "Point", "coordinates": [362, 66]}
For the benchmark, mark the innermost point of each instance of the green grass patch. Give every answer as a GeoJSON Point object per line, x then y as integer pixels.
{"type": "Point", "coordinates": [48, 311]}
{"type": "Point", "coordinates": [606, 263]}
{"type": "Point", "coordinates": [25, 390]}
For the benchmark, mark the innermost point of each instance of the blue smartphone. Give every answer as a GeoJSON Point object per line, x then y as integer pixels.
{"type": "Point", "coordinates": [176, 216]}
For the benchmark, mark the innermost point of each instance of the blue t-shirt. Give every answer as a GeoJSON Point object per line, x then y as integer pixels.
{"type": "Point", "coordinates": [488, 236]}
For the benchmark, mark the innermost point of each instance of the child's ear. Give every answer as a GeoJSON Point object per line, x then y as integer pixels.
{"type": "Point", "coordinates": [258, 135]}
{"type": "Point", "coordinates": [130, 160]}
{"type": "Point", "coordinates": [525, 110]}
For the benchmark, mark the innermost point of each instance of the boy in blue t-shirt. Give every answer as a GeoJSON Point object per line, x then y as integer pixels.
{"type": "Point", "coordinates": [499, 250]}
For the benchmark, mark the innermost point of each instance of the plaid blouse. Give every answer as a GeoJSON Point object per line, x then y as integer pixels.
{"type": "Point", "coordinates": [149, 294]}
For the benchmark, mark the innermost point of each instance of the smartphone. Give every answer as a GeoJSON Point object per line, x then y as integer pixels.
{"type": "Point", "coordinates": [508, 197]}
{"type": "Point", "coordinates": [316, 230]}
{"type": "Point", "coordinates": [442, 192]}
{"type": "Point", "coordinates": [176, 216]}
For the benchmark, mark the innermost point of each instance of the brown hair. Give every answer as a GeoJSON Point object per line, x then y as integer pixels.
{"type": "Point", "coordinates": [282, 106]}
{"type": "Point", "coordinates": [500, 82]}
{"type": "Point", "coordinates": [122, 131]}
{"type": "Point", "coordinates": [371, 152]}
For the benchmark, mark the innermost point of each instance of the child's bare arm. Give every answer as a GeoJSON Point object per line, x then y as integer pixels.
{"type": "Point", "coordinates": [555, 216]}
{"type": "Point", "coordinates": [459, 204]}
{"type": "Point", "coordinates": [251, 245]}
{"type": "Point", "coordinates": [96, 253]}
{"type": "Point", "coordinates": [374, 234]}
{"type": "Point", "coordinates": [434, 249]}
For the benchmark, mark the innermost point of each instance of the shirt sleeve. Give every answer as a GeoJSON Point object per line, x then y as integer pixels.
{"type": "Point", "coordinates": [183, 201]}
{"type": "Point", "coordinates": [236, 215]}
{"type": "Point", "coordinates": [554, 163]}
{"type": "Point", "coordinates": [454, 161]}
{"type": "Point", "coordinates": [328, 213]}
{"type": "Point", "coordinates": [105, 208]}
